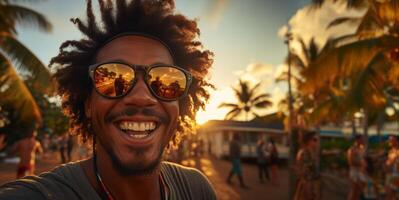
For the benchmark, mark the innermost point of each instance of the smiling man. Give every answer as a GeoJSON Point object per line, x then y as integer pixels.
{"type": "Point", "coordinates": [132, 86]}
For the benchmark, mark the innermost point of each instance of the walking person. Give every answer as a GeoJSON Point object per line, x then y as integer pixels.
{"type": "Point", "coordinates": [357, 168]}
{"type": "Point", "coordinates": [308, 178]}
{"type": "Point", "coordinates": [129, 131]}
{"type": "Point", "coordinates": [62, 147]}
{"type": "Point", "coordinates": [262, 156]}
{"type": "Point", "coordinates": [392, 169]}
{"type": "Point", "coordinates": [45, 145]}
{"type": "Point", "coordinates": [370, 191]}
{"type": "Point", "coordinates": [273, 161]}
{"type": "Point", "coordinates": [27, 149]}
{"type": "Point", "coordinates": [235, 158]}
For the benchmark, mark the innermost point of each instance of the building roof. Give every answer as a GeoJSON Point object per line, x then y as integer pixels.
{"type": "Point", "coordinates": [243, 125]}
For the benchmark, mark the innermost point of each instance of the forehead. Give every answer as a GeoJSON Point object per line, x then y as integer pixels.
{"type": "Point", "coordinates": [135, 49]}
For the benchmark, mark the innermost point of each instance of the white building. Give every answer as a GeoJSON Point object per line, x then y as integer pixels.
{"type": "Point", "coordinates": [217, 135]}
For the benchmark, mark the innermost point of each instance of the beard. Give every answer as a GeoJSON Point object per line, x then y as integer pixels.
{"type": "Point", "coordinates": [135, 168]}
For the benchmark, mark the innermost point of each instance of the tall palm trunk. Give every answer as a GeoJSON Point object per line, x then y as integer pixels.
{"type": "Point", "coordinates": [380, 124]}
{"type": "Point", "coordinates": [354, 129]}
{"type": "Point", "coordinates": [292, 153]}
{"type": "Point", "coordinates": [366, 128]}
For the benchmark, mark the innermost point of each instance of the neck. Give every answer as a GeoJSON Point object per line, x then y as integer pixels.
{"type": "Point", "coordinates": [121, 186]}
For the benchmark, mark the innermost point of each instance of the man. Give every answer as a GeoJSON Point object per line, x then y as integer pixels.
{"type": "Point", "coordinates": [129, 132]}
{"type": "Point", "coordinates": [392, 168]}
{"type": "Point", "coordinates": [62, 146]}
{"type": "Point", "coordinates": [357, 168]}
{"type": "Point", "coordinates": [27, 149]}
{"type": "Point", "coordinates": [261, 154]}
{"type": "Point", "coordinates": [235, 157]}
{"type": "Point", "coordinates": [119, 85]}
{"type": "Point", "coordinates": [308, 185]}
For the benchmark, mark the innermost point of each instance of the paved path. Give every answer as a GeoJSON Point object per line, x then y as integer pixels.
{"type": "Point", "coordinates": [216, 170]}
{"type": "Point", "coordinates": [335, 188]}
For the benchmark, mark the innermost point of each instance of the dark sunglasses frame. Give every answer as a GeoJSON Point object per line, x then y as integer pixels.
{"type": "Point", "coordinates": [146, 69]}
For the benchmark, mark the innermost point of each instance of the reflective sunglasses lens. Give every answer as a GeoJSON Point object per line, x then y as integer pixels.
{"type": "Point", "coordinates": [167, 82]}
{"type": "Point", "coordinates": [113, 79]}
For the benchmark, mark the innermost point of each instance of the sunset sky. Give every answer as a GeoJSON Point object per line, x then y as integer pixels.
{"type": "Point", "coordinates": [244, 35]}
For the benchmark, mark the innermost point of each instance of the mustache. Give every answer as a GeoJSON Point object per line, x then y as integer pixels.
{"type": "Point", "coordinates": [130, 111]}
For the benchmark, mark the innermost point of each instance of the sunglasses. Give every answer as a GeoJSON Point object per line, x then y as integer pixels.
{"type": "Point", "coordinates": [116, 79]}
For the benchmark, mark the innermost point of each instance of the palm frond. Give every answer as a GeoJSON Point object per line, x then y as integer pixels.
{"type": "Point", "coordinates": [357, 4]}
{"type": "Point", "coordinates": [228, 105]}
{"type": "Point", "coordinates": [263, 104]}
{"type": "Point", "coordinates": [25, 16]}
{"type": "Point", "coordinates": [367, 91]}
{"type": "Point", "coordinates": [296, 61]}
{"type": "Point", "coordinates": [243, 91]}
{"type": "Point", "coordinates": [339, 41]}
{"type": "Point", "coordinates": [353, 21]}
{"type": "Point", "coordinates": [370, 24]}
{"type": "Point", "coordinates": [313, 50]}
{"type": "Point", "coordinates": [17, 97]}
{"type": "Point", "coordinates": [233, 113]}
{"type": "Point", "coordinates": [27, 61]}
{"type": "Point", "coordinates": [344, 61]}
{"type": "Point", "coordinates": [304, 49]}
{"type": "Point", "coordinates": [252, 91]}
{"type": "Point", "coordinates": [261, 97]}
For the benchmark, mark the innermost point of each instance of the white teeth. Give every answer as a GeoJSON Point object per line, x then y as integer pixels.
{"type": "Point", "coordinates": [138, 136]}
{"type": "Point", "coordinates": [137, 126]}
{"type": "Point", "coordinates": [142, 127]}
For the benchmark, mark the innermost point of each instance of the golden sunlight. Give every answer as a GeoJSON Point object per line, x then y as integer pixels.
{"type": "Point", "coordinates": [211, 110]}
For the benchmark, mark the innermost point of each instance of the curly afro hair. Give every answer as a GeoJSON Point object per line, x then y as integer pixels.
{"type": "Point", "coordinates": [156, 18]}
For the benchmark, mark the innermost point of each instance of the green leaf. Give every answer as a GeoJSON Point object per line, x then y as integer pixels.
{"type": "Point", "coordinates": [15, 96]}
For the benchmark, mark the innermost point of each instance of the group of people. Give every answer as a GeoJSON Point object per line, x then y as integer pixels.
{"type": "Point", "coordinates": [363, 185]}
{"type": "Point", "coordinates": [361, 170]}
{"type": "Point", "coordinates": [267, 161]}
{"type": "Point", "coordinates": [29, 147]}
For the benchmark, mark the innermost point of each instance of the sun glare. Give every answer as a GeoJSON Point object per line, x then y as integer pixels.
{"type": "Point", "coordinates": [212, 111]}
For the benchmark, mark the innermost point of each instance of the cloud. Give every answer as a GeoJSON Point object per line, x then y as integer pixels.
{"type": "Point", "coordinates": [260, 68]}
{"type": "Point", "coordinates": [215, 11]}
{"type": "Point", "coordinates": [309, 22]}
{"type": "Point", "coordinates": [256, 72]}
{"type": "Point", "coordinates": [277, 95]}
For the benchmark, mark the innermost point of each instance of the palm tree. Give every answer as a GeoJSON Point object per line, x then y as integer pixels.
{"type": "Point", "coordinates": [15, 96]}
{"type": "Point", "coordinates": [368, 65]}
{"type": "Point", "coordinates": [349, 3]}
{"type": "Point", "coordinates": [248, 100]}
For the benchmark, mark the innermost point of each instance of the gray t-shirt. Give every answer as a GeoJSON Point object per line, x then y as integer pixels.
{"type": "Point", "coordinates": [69, 182]}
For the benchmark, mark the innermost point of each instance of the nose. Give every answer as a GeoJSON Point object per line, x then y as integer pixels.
{"type": "Point", "coordinates": [140, 95]}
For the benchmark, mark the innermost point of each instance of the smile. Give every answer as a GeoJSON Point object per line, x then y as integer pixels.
{"type": "Point", "coordinates": [137, 130]}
